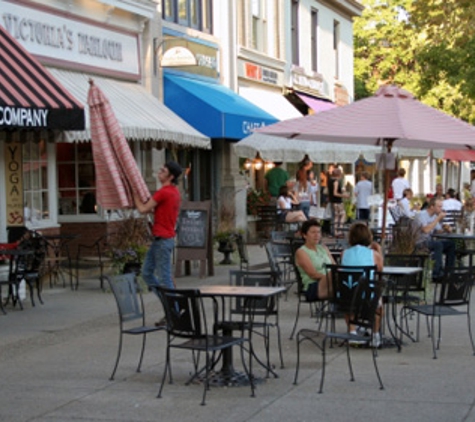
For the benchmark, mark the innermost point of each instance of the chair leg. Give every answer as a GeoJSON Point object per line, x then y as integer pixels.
{"type": "Point", "coordinates": [119, 352]}
{"type": "Point", "coordinates": [322, 379]}
{"type": "Point", "coordinates": [144, 340]}
{"type": "Point", "coordinates": [375, 355]}
{"type": "Point", "coordinates": [31, 289]}
{"type": "Point", "coordinates": [248, 369]}
{"type": "Point", "coordinates": [165, 370]}
{"type": "Point", "coordinates": [296, 321]}
{"type": "Point", "coordinates": [470, 331]}
{"type": "Point", "coordinates": [297, 366]}
{"type": "Point", "coordinates": [433, 336]}
{"type": "Point", "coordinates": [350, 366]}
{"type": "Point", "coordinates": [39, 289]}
{"type": "Point", "coordinates": [279, 342]}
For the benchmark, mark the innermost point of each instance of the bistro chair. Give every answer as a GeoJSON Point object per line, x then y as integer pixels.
{"type": "Point", "coordinates": [284, 273]}
{"type": "Point", "coordinates": [244, 261]}
{"type": "Point", "coordinates": [451, 298]}
{"type": "Point", "coordinates": [357, 296]}
{"type": "Point", "coordinates": [318, 308]}
{"type": "Point", "coordinates": [95, 255]}
{"type": "Point", "coordinates": [187, 329]}
{"type": "Point", "coordinates": [34, 265]}
{"type": "Point", "coordinates": [130, 306]}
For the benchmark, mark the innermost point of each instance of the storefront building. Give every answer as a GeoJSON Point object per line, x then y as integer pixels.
{"type": "Point", "coordinates": [115, 46]}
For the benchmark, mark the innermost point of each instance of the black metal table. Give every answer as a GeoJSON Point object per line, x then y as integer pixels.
{"type": "Point", "coordinates": [228, 376]}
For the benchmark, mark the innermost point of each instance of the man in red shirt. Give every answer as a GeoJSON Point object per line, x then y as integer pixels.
{"type": "Point", "coordinates": [165, 203]}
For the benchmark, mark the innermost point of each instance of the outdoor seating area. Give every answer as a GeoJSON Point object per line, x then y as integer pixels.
{"type": "Point", "coordinates": [260, 353]}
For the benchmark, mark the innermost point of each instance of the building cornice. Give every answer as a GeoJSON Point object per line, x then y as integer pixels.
{"type": "Point", "coordinates": [348, 8]}
{"type": "Point", "coordinates": [145, 8]}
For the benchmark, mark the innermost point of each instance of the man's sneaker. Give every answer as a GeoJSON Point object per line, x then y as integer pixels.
{"type": "Point", "coordinates": [376, 341]}
{"type": "Point", "coordinates": [356, 342]}
{"type": "Point", "coordinates": [362, 331]}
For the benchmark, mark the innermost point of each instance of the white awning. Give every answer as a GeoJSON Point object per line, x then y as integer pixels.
{"type": "Point", "coordinates": [270, 102]}
{"type": "Point", "coordinates": [142, 117]}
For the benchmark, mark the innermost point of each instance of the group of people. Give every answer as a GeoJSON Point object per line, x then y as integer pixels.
{"type": "Point", "coordinates": [313, 257]}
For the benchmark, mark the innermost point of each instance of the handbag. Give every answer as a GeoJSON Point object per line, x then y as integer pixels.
{"type": "Point", "coordinates": [316, 212]}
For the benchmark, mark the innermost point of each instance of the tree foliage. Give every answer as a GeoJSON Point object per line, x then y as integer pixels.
{"type": "Point", "coordinates": [424, 46]}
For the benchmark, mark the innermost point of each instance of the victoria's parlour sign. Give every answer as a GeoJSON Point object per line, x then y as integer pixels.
{"type": "Point", "coordinates": [55, 37]}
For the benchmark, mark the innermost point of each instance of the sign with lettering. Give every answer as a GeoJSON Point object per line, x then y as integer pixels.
{"type": "Point", "coordinates": [206, 55]}
{"type": "Point", "coordinates": [14, 183]}
{"type": "Point", "coordinates": [192, 228]}
{"type": "Point", "coordinates": [260, 73]}
{"type": "Point", "coordinates": [194, 238]}
{"type": "Point", "coordinates": [55, 36]}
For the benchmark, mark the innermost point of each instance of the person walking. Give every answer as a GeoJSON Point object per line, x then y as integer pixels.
{"type": "Point", "coordinates": [363, 189]}
{"type": "Point", "coordinates": [336, 194]}
{"type": "Point", "coordinates": [165, 204]}
{"type": "Point", "coordinates": [399, 184]}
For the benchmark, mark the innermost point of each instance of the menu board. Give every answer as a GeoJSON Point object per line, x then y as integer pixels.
{"type": "Point", "coordinates": [192, 228]}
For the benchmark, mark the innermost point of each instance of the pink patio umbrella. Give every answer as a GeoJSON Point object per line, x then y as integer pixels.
{"type": "Point", "coordinates": [391, 117]}
{"type": "Point", "coordinates": [117, 174]}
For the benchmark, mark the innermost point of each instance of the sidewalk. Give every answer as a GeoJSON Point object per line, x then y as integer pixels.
{"type": "Point", "coordinates": [56, 360]}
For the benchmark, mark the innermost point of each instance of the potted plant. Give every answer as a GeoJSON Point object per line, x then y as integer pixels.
{"type": "Point", "coordinates": [129, 244]}
{"type": "Point", "coordinates": [226, 234]}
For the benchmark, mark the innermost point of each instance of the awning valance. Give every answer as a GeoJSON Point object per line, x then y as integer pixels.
{"type": "Point", "coordinates": [30, 98]}
{"type": "Point", "coordinates": [315, 104]}
{"type": "Point", "coordinates": [141, 116]}
{"type": "Point", "coordinates": [213, 109]}
{"type": "Point", "coordinates": [275, 104]}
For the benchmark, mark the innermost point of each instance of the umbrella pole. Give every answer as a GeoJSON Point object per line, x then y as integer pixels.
{"type": "Point", "coordinates": [386, 190]}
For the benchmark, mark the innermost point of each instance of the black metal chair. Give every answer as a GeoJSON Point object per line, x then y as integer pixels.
{"type": "Point", "coordinates": [284, 271]}
{"type": "Point", "coordinates": [407, 289]}
{"type": "Point", "coordinates": [130, 306]}
{"type": "Point", "coordinates": [358, 297]}
{"type": "Point", "coordinates": [187, 328]}
{"type": "Point", "coordinates": [94, 256]}
{"type": "Point", "coordinates": [451, 298]}
{"type": "Point", "coordinates": [34, 269]}
{"type": "Point", "coordinates": [244, 261]}
{"type": "Point", "coordinates": [318, 308]}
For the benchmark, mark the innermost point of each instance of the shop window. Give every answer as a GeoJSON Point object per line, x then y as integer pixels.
{"type": "Point", "coordinates": [76, 179]}
{"type": "Point", "coordinates": [35, 182]}
{"type": "Point", "coordinates": [190, 13]}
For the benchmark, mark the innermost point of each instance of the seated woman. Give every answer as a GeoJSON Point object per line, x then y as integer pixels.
{"type": "Point", "coordinates": [405, 204]}
{"type": "Point", "coordinates": [363, 251]}
{"type": "Point", "coordinates": [311, 259]}
{"type": "Point", "coordinates": [284, 206]}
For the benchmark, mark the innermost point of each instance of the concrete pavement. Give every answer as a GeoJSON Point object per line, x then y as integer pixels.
{"type": "Point", "coordinates": [56, 359]}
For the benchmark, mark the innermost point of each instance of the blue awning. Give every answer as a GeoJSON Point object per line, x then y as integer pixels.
{"type": "Point", "coordinates": [213, 109]}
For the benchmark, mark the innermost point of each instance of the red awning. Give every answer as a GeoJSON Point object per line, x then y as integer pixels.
{"type": "Point", "coordinates": [30, 97]}
{"type": "Point", "coordinates": [459, 155]}
{"type": "Point", "coordinates": [315, 104]}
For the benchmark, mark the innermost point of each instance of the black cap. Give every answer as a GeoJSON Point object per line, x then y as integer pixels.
{"type": "Point", "coordinates": [174, 169]}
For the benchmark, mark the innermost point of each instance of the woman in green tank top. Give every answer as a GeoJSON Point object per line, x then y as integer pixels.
{"type": "Point", "coordinates": [311, 259]}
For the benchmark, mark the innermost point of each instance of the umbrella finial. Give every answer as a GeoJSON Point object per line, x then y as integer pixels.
{"type": "Point", "coordinates": [91, 81]}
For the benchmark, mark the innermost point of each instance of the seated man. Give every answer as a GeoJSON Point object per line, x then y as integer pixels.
{"type": "Point", "coordinates": [429, 221]}
{"type": "Point", "coordinates": [405, 204]}
{"type": "Point", "coordinates": [451, 203]}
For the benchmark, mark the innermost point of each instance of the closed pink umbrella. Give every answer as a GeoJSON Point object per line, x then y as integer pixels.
{"type": "Point", "coordinates": [117, 174]}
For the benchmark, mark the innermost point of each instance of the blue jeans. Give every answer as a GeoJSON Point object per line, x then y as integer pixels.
{"type": "Point", "coordinates": [438, 249]}
{"type": "Point", "coordinates": [156, 270]}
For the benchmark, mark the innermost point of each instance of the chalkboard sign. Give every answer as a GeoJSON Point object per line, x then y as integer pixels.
{"type": "Point", "coordinates": [192, 228]}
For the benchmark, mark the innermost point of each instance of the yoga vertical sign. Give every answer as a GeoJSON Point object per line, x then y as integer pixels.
{"type": "Point", "coordinates": [14, 183]}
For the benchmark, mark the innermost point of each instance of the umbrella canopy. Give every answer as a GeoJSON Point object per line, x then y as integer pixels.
{"type": "Point", "coordinates": [274, 148]}
{"type": "Point", "coordinates": [117, 174]}
{"type": "Point", "coordinates": [392, 115]}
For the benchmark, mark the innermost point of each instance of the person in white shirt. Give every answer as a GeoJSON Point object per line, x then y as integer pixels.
{"type": "Point", "coordinates": [363, 189]}
{"type": "Point", "coordinates": [451, 203]}
{"type": "Point", "coordinates": [405, 204]}
{"type": "Point", "coordinates": [399, 184]}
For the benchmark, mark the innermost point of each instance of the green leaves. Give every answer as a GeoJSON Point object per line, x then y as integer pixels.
{"type": "Point", "coordinates": [424, 46]}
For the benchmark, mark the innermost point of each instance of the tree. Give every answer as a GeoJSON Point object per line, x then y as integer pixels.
{"type": "Point", "coordinates": [424, 46]}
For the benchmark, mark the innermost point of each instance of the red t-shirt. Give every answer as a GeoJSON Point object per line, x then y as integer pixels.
{"type": "Point", "coordinates": [166, 211]}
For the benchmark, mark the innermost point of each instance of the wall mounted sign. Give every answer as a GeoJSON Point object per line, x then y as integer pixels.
{"type": "Point", "coordinates": [14, 183]}
{"type": "Point", "coordinates": [56, 37]}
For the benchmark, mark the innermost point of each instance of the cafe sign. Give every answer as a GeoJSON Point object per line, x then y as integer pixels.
{"type": "Point", "coordinates": [14, 183]}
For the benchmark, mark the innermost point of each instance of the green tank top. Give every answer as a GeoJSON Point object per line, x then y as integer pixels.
{"type": "Point", "coordinates": [318, 258]}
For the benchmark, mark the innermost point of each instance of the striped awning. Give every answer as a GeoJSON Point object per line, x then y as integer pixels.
{"type": "Point", "coordinates": [30, 97]}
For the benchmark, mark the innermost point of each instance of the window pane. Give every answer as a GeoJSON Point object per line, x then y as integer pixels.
{"type": "Point", "coordinates": [182, 10]}
{"type": "Point", "coordinates": [76, 179]}
{"type": "Point", "coordinates": [167, 9]}
{"type": "Point", "coordinates": [194, 14]}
